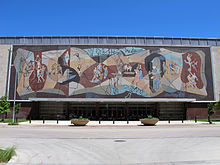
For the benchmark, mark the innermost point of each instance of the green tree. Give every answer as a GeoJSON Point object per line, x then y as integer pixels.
{"type": "Point", "coordinates": [17, 108]}
{"type": "Point", "coordinates": [211, 111]}
{"type": "Point", "coordinates": [217, 105]}
{"type": "Point", "coordinates": [4, 106]}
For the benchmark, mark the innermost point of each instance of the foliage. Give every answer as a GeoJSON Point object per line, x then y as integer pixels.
{"type": "Point", "coordinates": [10, 120]}
{"type": "Point", "coordinates": [6, 155]}
{"type": "Point", "coordinates": [205, 120]}
{"type": "Point", "coordinates": [13, 123]}
{"type": "Point", "coordinates": [80, 118]}
{"type": "Point", "coordinates": [217, 105]}
{"type": "Point", "coordinates": [211, 111]}
{"type": "Point", "coordinates": [17, 108]}
{"type": "Point", "coordinates": [149, 117]}
{"type": "Point", "coordinates": [4, 105]}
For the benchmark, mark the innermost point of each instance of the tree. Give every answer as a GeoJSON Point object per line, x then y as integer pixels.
{"type": "Point", "coordinates": [17, 108]}
{"type": "Point", "coordinates": [217, 105]}
{"type": "Point", "coordinates": [4, 106]}
{"type": "Point", "coordinates": [211, 111]}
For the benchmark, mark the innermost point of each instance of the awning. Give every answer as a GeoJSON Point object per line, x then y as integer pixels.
{"type": "Point", "coordinates": [133, 100]}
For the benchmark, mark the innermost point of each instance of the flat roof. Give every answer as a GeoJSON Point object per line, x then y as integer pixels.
{"type": "Point", "coordinates": [109, 40]}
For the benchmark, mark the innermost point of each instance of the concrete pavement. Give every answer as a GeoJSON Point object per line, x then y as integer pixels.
{"type": "Point", "coordinates": [109, 123]}
{"type": "Point", "coordinates": [176, 144]}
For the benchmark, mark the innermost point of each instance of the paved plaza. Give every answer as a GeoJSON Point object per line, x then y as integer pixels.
{"type": "Point", "coordinates": [107, 144]}
{"type": "Point", "coordinates": [106, 123]}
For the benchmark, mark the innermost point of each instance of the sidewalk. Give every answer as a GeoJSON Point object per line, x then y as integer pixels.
{"type": "Point", "coordinates": [110, 123]}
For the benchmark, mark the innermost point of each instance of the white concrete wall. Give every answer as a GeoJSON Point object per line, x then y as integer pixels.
{"type": "Point", "coordinates": [4, 54]}
{"type": "Point", "coordinates": [216, 68]}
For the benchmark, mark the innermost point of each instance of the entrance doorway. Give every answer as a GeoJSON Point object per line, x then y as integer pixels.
{"type": "Point", "coordinates": [112, 111]}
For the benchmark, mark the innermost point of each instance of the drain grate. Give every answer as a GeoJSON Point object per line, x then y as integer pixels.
{"type": "Point", "coordinates": [119, 140]}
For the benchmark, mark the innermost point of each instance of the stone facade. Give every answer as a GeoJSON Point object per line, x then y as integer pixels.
{"type": "Point", "coordinates": [4, 56]}
{"type": "Point", "coordinates": [216, 69]}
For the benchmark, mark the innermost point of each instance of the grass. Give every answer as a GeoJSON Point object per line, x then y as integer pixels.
{"type": "Point", "coordinates": [7, 154]}
{"type": "Point", "coordinates": [206, 120]}
{"type": "Point", "coordinates": [10, 120]}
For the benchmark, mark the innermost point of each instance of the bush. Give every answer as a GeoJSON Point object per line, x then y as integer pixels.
{"type": "Point", "coordinates": [10, 120]}
{"type": "Point", "coordinates": [80, 118]}
{"type": "Point", "coordinates": [17, 108]}
{"type": "Point", "coordinates": [211, 111]}
{"type": "Point", "coordinates": [150, 118]}
{"type": "Point", "coordinates": [4, 106]}
{"type": "Point", "coordinates": [12, 123]}
{"type": "Point", "coordinates": [6, 155]}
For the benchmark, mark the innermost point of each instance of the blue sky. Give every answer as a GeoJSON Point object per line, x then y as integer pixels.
{"type": "Point", "coordinates": [173, 18]}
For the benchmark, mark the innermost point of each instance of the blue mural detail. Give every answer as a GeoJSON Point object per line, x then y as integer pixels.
{"type": "Point", "coordinates": [106, 51]}
{"type": "Point", "coordinates": [130, 89]}
{"type": "Point", "coordinates": [173, 58]}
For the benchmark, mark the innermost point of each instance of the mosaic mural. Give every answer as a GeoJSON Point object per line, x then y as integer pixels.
{"type": "Point", "coordinates": [112, 72]}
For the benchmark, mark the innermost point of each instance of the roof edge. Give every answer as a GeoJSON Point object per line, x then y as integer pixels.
{"type": "Point", "coordinates": [93, 36]}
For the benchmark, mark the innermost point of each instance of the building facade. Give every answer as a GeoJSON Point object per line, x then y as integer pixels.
{"type": "Point", "coordinates": [110, 78]}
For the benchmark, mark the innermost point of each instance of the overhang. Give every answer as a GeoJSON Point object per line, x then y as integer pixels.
{"type": "Point", "coordinates": [133, 100]}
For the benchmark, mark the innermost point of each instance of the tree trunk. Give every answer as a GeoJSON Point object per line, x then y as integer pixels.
{"type": "Point", "coordinates": [2, 117]}
{"type": "Point", "coordinates": [209, 120]}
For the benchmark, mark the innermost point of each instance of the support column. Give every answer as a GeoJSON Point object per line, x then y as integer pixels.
{"type": "Point", "coordinates": [32, 110]}
{"type": "Point", "coordinates": [127, 110]}
{"type": "Point", "coordinates": [35, 110]}
{"type": "Point", "coordinates": [185, 113]}
{"type": "Point", "coordinates": [157, 110]}
{"type": "Point", "coordinates": [97, 110]}
{"type": "Point", "coordinates": [67, 110]}
{"type": "Point", "coordinates": [38, 109]}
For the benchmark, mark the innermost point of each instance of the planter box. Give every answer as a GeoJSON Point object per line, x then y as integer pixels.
{"type": "Point", "coordinates": [79, 122]}
{"type": "Point", "coordinates": [149, 122]}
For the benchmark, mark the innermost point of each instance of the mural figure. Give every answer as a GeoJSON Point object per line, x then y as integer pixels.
{"type": "Point", "coordinates": [191, 72]}
{"type": "Point", "coordinates": [79, 66]}
{"type": "Point", "coordinates": [38, 76]}
{"type": "Point", "coordinates": [68, 73]}
{"type": "Point", "coordinates": [138, 73]}
{"type": "Point", "coordinates": [27, 72]}
{"type": "Point", "coordinates": [100, 73]}
{"type": "Point", "coordinates": [127, 69]}
{"type": "Point", "coordinates": [154, 64]}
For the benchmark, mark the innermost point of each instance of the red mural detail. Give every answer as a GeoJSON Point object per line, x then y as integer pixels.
{"type": "Point", "coordinates": [38, 76]}
{"type": "Point", "coordinates": [64, 88]}
{"type": "Point", "coordinates": [66, 58]}
{"type": "Point", "coordinates": [191, 71]}
{"type": "Point", "coordinates": [96, 74]}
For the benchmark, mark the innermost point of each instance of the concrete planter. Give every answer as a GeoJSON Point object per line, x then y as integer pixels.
{"type": "Point", "coordinates": [79, 122]}
{"type": "Point", "coordinates": [149, 121]}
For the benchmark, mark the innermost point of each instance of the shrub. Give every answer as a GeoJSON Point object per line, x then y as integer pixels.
{"type": "Point", "coordinates": [10, 120]}
{"type": "Point", "coordinates": [12, 123]}
{"type": "Point", "coordinates": [149, 117]}
{"type": "Point", "coordinates": [211, 111]}
{"type": "Point", "coordinates": [80, 118]}
{"type": "Point", "coordinates": [6, 155]}
{"type": "Point", "coordinates": [4, 106]}
{"type": "Point", "coordinates": [17, 108]}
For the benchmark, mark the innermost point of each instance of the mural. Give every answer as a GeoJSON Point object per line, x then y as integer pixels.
{"type": "Point", "coordinates": [112, 72]}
